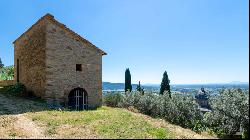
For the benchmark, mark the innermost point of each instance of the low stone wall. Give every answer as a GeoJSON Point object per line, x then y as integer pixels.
{"type": "Point", "coordinates": [6, 83]}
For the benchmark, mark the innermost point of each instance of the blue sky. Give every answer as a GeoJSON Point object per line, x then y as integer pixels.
{"type": "Point", "coordinates": [195, 41]}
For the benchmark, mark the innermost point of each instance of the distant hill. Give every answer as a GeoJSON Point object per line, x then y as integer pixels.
{"type": "Point", "coordinates": [238, 82]}
{"type": "Point", "coordinates": [120, 86]}
{"type": "Point", "coordinates": [115, 86]}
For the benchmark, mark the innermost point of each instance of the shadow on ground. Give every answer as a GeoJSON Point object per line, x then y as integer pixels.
{"type": "Point", "coordinates": [10, 104]}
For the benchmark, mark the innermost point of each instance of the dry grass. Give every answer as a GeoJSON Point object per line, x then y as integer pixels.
{"type": "Point", "coordinates": [8, 128]}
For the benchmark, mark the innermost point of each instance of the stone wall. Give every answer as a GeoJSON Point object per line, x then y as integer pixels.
{"type": "Point", "coordinates": [6, 83]}
{"type": "Point", "coordinates": [30, 50]}
{"type": "Point", "coordinates": [63, 52]}
{"type": "Point", "coordinates": [48, 56]}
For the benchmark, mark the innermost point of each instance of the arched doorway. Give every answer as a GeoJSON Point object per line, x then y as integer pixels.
{"type": "Point", "coordinates": [78, 99]}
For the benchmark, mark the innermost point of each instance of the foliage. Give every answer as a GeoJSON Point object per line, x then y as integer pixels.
{"type": "Point", "coordinates": [7, 73]}
{"type": "Point", "coordinates": [112, 99]}
{"type": "Point", "coordinates": [181, 110]}
{"type": "Point", "coordinates": [17, 89]}
{"type": "Point", "coordinates": [230, 112]}
{"type": "Point", "coordinates": [1, 64]}
{"type": "Point", "coordinates": [165, 84]}
{"type": "Point", "coordinates": [139, 88]}
{"type": "Point", "coordinates": [128, 86]}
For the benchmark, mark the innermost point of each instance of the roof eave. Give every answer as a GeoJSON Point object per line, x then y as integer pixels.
{"type": "Point", "coordinates": [103, 53]}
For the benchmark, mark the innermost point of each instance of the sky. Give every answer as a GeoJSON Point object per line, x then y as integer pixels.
{"type": "Point", "coordinates": [195, 41]}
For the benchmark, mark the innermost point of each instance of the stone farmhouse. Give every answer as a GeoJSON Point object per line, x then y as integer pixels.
{"type": "Point", "coordinates": [58, 65]}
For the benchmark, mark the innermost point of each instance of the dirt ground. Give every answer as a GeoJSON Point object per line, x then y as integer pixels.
{"type": "Point", "coordinates": [14, 124]}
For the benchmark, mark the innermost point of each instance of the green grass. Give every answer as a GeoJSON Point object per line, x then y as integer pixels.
{"type": "Point", "coordinates": [105, 121]}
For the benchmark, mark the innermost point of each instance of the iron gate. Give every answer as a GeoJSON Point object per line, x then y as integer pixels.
{"type": "Point", "coordinates": [78, 99]}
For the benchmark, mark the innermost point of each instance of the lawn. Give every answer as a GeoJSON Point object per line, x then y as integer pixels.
{"type": "Point", "coordinates": [105, 122]}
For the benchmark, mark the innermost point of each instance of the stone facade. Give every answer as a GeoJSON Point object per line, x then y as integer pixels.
{"type": "Point", "coordinates": [30, 51]}
{"type": "Point", "coordinates": [48, 53]}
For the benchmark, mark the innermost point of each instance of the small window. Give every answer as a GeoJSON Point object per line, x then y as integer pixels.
{"type": "Point", "coordinates": [78, 67]}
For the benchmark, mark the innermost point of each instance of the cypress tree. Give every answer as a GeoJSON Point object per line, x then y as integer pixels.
{"type": "Point", "coordinates": [140, 89]}
{"type": "Point", "coordinates": [128, 86]}
{"type": "Point", "coordinates": [165, 84]}
{"type": "Point", "coordinates": [1, 64]}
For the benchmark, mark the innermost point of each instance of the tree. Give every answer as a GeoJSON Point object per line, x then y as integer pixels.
{"type": "Point", "coordinates": [230, 113]}
{"type": "Point", "coordinates": [165, 84]}
{"type": "Point", "coordinates": [128, 86]}
{"type": "Point", "coordinates": [1, 64]}
{"type": "Point", "coordinates": [139, 88]}
{"type": "Point", "coordinates": [7, 73]}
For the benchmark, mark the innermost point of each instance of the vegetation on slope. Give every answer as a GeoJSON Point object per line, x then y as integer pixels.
{"type": "Point", "coordinates": [26, 118]}
{"type": "Point", "coordinates": [229, 114]}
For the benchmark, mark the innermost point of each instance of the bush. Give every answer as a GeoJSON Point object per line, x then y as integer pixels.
{"type": "Point", "coordinates": [130, 99]}
{"type": "Point", "coordinates": [180, 110]}
{"type": "Point", "coordinates": [230, 113]}
{"type": "Point", "coordinates": [147, 104]}
{"type": "Point", "coordinates": [112, 99]}
{"type": "Point", "coordinates": [17, 89]}
{"type": "Point", "coordinates": [230, 110]}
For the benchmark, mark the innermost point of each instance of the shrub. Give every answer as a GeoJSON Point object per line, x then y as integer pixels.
{"type": "Point", "coordinates": [147, 104]}
{"type": "Point", "coordinates": [112, 99]}
{"type": "Point", "coordinates": [230, 113]}
{"type": "Point", "coordinates": [180, 110]}
{"type": "Point", "coordinates": [230, 110]}
{"type": "Point", "coordinates": [130, 99]}
{"type": "Point", "coordinates": [16, 89]}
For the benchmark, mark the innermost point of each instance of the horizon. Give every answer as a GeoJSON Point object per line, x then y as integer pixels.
{"type": "Point", "coordinates": [194, 41]}
{"type": "Point", "coordinates": [229, 83]}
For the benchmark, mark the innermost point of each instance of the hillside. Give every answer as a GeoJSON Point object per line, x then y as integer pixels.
{"type": "Point", "coordinates": [25, 118]}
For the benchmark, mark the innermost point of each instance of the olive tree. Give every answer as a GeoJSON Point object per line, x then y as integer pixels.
{"type": "Point", "coordinates": [230, 112]}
